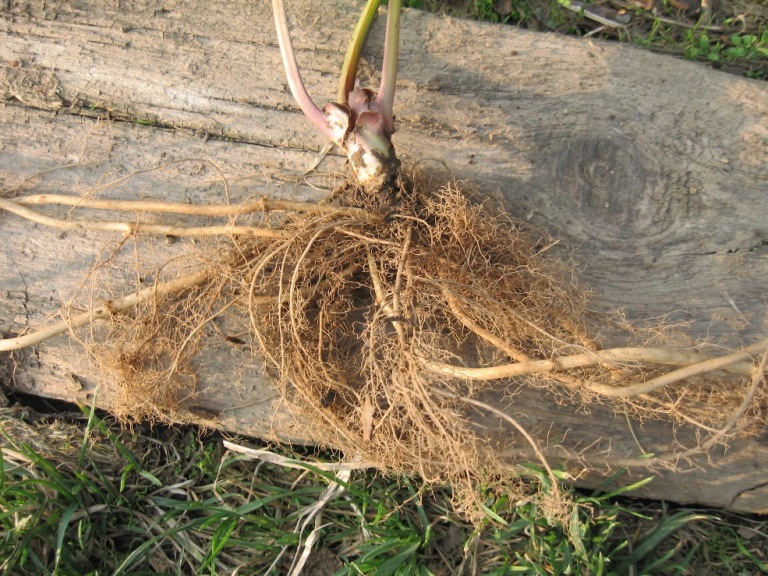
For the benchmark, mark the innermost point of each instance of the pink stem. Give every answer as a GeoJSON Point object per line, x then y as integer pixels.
{"type": "Point", "coordinates": [295, 83]}
{"type": "Point", "coordinates": [386, 98]}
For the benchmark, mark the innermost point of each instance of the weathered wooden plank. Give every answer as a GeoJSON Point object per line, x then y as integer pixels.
{"type": "Point", "coordinates": [44, 269]}
{"type": "Point", "coordinates": [652, 171]}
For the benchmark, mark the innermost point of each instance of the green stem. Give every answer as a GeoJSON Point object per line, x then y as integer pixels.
{"type": "Point", "coordinates": [352, 57]}
{"type": "Point", "coordinates": [295, 82]}
{"type": "Point", "coordinates": [386, 97]}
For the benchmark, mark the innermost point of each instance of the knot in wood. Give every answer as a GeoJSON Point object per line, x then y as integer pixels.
{"type": "Point", "coordinates": [613, 187]}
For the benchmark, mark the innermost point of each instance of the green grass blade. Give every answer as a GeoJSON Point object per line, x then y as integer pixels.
{"type": "Point", "coordinates": [665, 527]}
{"type": "Point", "coordinates": [91, 413]}
{"type": "Point", "coordinates": [626, 489]}
{"type": "Point", "coordinates": [395, 563]}
{"type": "Point", "coordinates": [56, 480]}
{"type": "Point", "coordinates": [151, 477]}
{"type": "Point", "coordinates": [62, 532]}
{"type": "Point", "coordinates": [219, 540]}
{"type": "Point", "coordinates": [762, 566]}
{"type": "Point", "coordinates": [2, 471]}
{"type": "Point", "coordinates": [148, 544]}
{"type": "Point", "coordinates": [103, 427]}
{"type": "Point", "coordinates": [355, 48]}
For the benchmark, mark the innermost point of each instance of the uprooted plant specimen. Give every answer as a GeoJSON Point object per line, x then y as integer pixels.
{"type": "Point", "coordinates": [384, 313]}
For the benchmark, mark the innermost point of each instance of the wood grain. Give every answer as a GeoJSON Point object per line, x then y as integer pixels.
{"type": "Point", "coordinates": [651, 172]}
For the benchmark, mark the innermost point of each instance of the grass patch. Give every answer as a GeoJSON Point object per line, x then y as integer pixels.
{"type": "Point", "coordinates": [730, 35]}
{"type": "Point", "coordinates": [79, 495]}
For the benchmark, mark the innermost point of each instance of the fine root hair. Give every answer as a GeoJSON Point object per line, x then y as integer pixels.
{"type": "Point", "coordinates": [385, 323]}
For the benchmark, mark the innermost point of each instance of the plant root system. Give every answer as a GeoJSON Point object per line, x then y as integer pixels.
{"type": "Point", "coordinates": [383, 324]}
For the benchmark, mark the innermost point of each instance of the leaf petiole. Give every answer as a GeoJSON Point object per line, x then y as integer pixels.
{"type": "Point", "coordinates": [386, 96]}
{"type": "Point", "coordinates": [295, 83]}
{"type": "Point", "coordinates": [352, 57]}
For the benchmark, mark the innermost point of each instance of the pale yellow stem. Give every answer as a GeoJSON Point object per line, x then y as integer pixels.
{"type": "Point", "coordinates": [260, 205]}
{"type": "Point", "coordinates": [139, 227]}
{"type": "Point", "coordinates": [693, 363]}
{"type": "Point", "coordinates": [105, 311]}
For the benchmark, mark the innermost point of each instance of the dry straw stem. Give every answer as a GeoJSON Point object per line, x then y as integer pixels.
{"type": "Point", "coordinates": [313, 512]}
{"type": "Point", "coordinates": [286, 462]}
